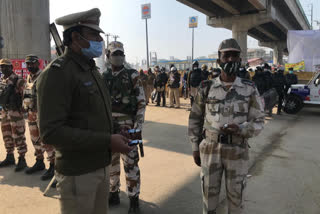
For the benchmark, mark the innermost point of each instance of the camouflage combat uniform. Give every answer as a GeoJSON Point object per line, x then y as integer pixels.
{"type": "Point", "coordinates": [128, 108]}
{"type": "Point", "coordinates": [12, 123]}
{"type": "Point", "coordinates": [30, 106]}
{"type": "Point", "coordinates": [215, 106]}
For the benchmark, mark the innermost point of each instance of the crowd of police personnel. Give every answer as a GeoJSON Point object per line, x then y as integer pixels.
{"type": "Point", "coordinates": [268, 82]}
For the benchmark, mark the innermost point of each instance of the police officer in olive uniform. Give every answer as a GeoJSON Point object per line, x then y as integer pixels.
{"type": "Point", "coordinates": [74, 110]}
{"type": "Point", "coordinates": [128, 109]}
{"type": "Point", "coordinates": [227, 111]}
{"type": "Point", "coordinates": [30, 106]}
{"type": "Point", "coordinates": [12, 121]}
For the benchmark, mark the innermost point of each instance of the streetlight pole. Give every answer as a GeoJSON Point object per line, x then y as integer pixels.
{"type": "Point", "coordinates": [147, 43]}
{"type": "Point", "coordinates": [107, 35]}
{"type": "Point", "coordinates": [192, 45]}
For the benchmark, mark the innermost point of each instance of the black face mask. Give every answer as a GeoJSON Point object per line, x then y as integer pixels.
{"type": "Point", "coordinates": [33, 70]}
{"type": "Point", "coordinates": [230, 68]}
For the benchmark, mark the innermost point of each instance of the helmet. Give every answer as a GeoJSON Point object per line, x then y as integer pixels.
{"type": "Point", "coordinates": [195, 63]}
{"type": "Point", "coordinates": [173, 69]}
{"type": "Point", "coordinates": [204, 67]}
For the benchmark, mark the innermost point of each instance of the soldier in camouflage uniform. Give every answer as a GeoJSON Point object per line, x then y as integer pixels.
{"type": "Point", "coordinates": [30, 106]}
{"type": "Point", "coordinates": [128, 108]}
{"type": "Point", "coordinates": [226, 112]}
{"type": "Point", "coordinates": [12, 123]}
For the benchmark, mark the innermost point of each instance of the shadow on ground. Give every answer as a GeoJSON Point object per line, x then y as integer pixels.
{"type": "Point", "coordinates": [167, 137]}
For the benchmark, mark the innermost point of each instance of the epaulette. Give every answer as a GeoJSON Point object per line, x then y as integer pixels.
{"type": "Point", "coordinates": [58, 63]}
{"type": "Point", "coordinates": [205, 83]}
{"type": "Point", "coordinates": [247, 82]}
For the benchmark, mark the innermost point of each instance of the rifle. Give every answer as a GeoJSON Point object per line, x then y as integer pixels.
{"type": "Point", "coordinates": [57, 40]}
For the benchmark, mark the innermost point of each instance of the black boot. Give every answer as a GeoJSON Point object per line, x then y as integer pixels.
{"type": "Point", "coordinates": [114, 198]}
{"type": "Point", "coordinates": [8, 161]}
{"type": "Point", "coordinates": [21, 164]}
{"type": "Point", "coordinates": [49, 173]}
{"type": "Point", "coordinates": [38, 166]}
{"type": "Point", "coordinates": [134, 205]}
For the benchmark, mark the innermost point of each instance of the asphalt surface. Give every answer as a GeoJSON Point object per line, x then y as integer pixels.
{"type": "Point", "coordinates": [284, 167]}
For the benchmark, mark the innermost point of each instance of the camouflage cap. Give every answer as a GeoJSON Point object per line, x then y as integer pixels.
{"type": "Point", "coordinates": [229, 45]}
{"type": "Point", "coordinates": [5, 62]}
{"type": "Point", "coordinates": [115, 46]}
{"type": "Point", "coordinates": [89, 18]}
{"type": "Point", "coordinates": [32, 58]}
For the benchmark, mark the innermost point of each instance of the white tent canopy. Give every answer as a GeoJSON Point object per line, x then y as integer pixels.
{"type": "Point", "coordinates": [304, 45]}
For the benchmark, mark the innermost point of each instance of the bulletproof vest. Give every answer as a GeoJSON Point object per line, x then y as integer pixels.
{"type": "Point", "coordinates": [195, 78]}
{"type": "Point", "coordinates": [30, 95]}
{"type": "Point", "coordinates": [123, 95]}
{"type": "Point", "coordinates": [9, 99]}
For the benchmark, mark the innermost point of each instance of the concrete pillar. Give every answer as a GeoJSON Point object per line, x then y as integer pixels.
{"type": "Point", "coordinates": [278, 55]}
{"type": "Point", "coordinates": [241, 34]}
{"type": "Point", "coordinates": [24, 26]}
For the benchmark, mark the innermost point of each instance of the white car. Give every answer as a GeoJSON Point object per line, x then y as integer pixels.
{"type": "Point", "coordinates": [300, 94]}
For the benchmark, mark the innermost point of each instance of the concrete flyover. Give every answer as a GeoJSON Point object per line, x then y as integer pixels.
{"type": "Point", "coordinates": [268, 21]}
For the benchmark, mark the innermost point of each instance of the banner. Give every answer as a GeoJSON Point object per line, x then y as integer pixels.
{"type": "Point", "coordinates": [19, 66]}
{"type": "Point", "coordinates": [300, 66]}
{"type": "Point", "coordinates": [303, 45]}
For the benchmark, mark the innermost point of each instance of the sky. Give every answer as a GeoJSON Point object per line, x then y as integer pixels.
{"type": "Point", "coordinates": [169, 34]}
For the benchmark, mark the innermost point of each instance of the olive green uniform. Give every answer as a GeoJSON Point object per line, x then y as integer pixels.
{"type": "Point", "coordinates": [75, 117]}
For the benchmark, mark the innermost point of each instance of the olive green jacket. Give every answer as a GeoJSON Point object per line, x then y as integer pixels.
{"type": "Point", "coordinates": [74, 113]}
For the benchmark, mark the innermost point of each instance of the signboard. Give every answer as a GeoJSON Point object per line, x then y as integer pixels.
{"type": "Point", "coordinates": [193, 22]}
{"type": "Point", "coordinates": [20, 66]}
{"type": "Point", "coordinates": [300, 66]}
{"type": "Point", "coordinates": [146, 11]}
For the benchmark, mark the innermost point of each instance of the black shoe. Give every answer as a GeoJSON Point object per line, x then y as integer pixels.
{"type": "Point", "coordinates": [8, 161]}
{"type": "Point", "coordinates": [38, 166]}
{"type": "Point", "coordinates": [21, 164]}
{"type": "Point", "coordinates": [134, 205]}
{"type": "Point", "coordinates": [49, 173]}
{"type": "Point", "coordinates": [114, 198]}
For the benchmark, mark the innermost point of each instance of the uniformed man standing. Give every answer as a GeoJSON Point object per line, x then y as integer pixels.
{"type": "Point", "coordinates": [194, 79]}
{"type": "Point", "coordinates": [144, 82]}
{"type": "Point", "coordinates": [150, 81]}
{"type": "Point", "coordinates": [227, 110]}
{"type": "Point", "coordinates": [75, 117]}
{"type": "Point", "coordinates": [30, 106]}
{"type": "Point", "coordinates": [128, 109]}
{"type": "Point", "coordinates": [12, 122]}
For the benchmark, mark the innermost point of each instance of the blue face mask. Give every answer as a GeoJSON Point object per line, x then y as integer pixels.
{"type": "Point", "coordinates": [290, 72]}
{"type": "Point", "coordinates": [94, 50]}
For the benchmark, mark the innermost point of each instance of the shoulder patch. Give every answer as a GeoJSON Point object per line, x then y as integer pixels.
{"type": "Point", "coordinates": [247, 82]}
{"type": "Point", "coordinates": [58, 63]}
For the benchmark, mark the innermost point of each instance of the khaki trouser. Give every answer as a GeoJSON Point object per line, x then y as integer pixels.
{"type": "Point", "coordinates": [193, 91]}
{"type": "Point", "coordinates": [84, 194]}
{"type": "Point", "coordinates": [217, 158]}
{"type": "Point", "coordinates": [148, 93]}
{"type": "Point", "coordinates": [174, 93]}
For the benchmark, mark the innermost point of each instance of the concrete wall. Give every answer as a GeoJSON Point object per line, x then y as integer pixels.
{"type": "Point", "coordinates": [24, 25]}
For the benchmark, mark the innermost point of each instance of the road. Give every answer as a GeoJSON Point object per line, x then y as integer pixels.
{"type": "Point", "coordinates": [284, 167]}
